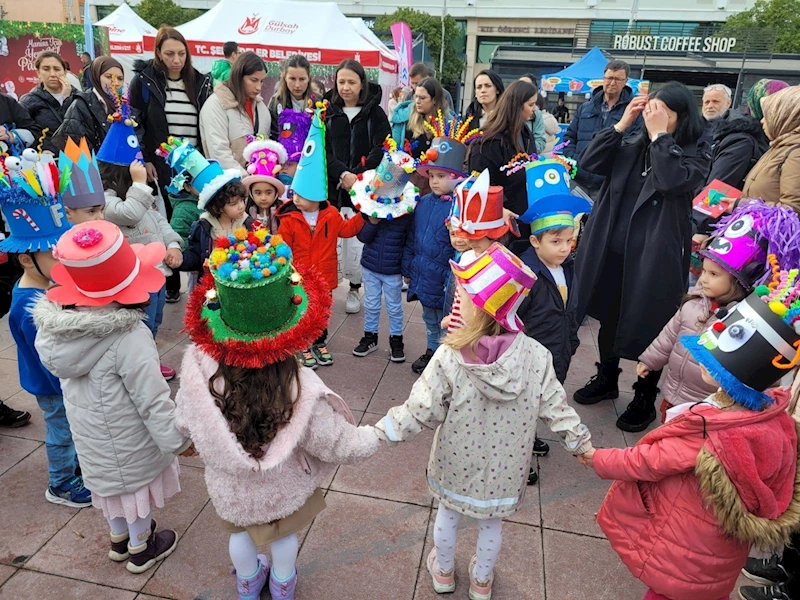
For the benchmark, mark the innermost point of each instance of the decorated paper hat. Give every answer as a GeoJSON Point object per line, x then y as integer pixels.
{"type": "Point", "coordinates": [448, 150]}
{"type": "Point", "coordinates": [31, 202]}
{"type": "Point", "coordinates": [478, 210]}
{"type": "Point", "coordinates": [745, 239]}
{"type": "Point", "coordinates": [120, 146]}
{"type": "Point", "coordinates": [84, 185]}
{"type": "Point", "coordinates": [293, 128]}
{"type": "Point", "coordinates": [265, 159]}
{"type": "Point", "coordinates": [387, 192]}
{"type": "Point", "coordinates": [756, 343]}
{"type": "Point", "coordinates": [497, 282]}
{"type": "Point", "coordinates": [206, 176]}
{"type": "Point", "coordinates": [550, 205]}
{"type": "Point", "coordinates": [97, 266]}
{"type": "Point", "coordinates": [311, 178]}
{"type": "Point", "coordinates": [255, 307]}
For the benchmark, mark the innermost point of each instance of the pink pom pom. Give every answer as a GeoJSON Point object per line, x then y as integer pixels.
{"type": "Point", "coordinates": [86, 238]}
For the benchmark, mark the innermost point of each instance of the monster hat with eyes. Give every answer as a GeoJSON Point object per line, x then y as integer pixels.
{"type": "Point", "coordinates": [120, 146]}
{"type": "Point", "coordinates": [550, 205]}
{"type": "Point", "coordinates": [387, 192]}
{"type": "Point", "coordinates": [448, 149]}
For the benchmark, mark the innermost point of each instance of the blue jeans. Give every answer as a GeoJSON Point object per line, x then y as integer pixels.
{"type": "Point", "coordinates": [391, 286]}
{"type": "Point", "coordinates": [61, 457]}
{"type": "Point", "coordinates": [155, 311]}
{"type": "Point", "coordinates": [433, 326]}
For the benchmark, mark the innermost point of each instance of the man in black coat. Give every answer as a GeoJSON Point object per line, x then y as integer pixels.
{"type": "Point", "coordinates": [16, 125]}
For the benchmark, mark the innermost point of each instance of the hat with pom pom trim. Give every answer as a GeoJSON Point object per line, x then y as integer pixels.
{"type": "Point", "coordinates": [265, 159]}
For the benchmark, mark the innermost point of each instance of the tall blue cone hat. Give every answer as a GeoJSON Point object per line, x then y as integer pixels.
{"type": "Point", "coordinates": [30, 199]}
{"type": "Point", "coordinates": [120, 146]}
{"type": "Point", "coordinates": [550, 205]}
{"type": "Point", "coordinates": [84, 185]}
{"type": "Point", "coordinates": [311, 178]}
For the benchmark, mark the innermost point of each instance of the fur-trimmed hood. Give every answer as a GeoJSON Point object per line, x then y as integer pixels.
{"type": "Point", "coordinates": [79, 337]}
{"type": "Point", "coordinates": [735, 122]}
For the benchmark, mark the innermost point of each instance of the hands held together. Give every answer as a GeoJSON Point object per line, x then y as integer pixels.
{"type": "Point", "coordinates": [587, 458]}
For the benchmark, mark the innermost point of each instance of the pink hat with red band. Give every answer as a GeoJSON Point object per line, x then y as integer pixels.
{"type": "Point", "coordinates": [97, 266]}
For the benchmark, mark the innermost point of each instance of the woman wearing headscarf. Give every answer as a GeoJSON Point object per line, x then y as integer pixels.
{"type": "Point", "coordinates": [87, 116]}
{"type": "Point", "coordinates": [775, 178]}
{"type": "Point", "coordinates": [761, 89]}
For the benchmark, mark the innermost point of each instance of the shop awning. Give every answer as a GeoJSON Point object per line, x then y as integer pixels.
{"type": "Point", "coordinates": [584, 75]}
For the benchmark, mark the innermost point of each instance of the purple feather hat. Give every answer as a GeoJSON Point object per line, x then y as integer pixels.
{"type": "Point", "coordinates": [293, 128]}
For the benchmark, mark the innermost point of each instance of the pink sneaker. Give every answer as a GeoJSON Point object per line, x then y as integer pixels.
{"type": "Point", "coordinates": [479, 590]}
{"type": "Point", "coordinates": [442, 582]}
{"type": "Point", "coordinates": [168, 372]}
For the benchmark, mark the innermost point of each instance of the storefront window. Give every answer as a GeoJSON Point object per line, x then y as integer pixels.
{"type": "Point", "coordinates": [487, 45]}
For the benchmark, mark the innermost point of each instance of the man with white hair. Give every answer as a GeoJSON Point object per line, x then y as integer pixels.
{"type": "Point", "coordinates": [717, 99]}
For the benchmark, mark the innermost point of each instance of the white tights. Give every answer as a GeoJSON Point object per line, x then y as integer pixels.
{"type": "Point", "coordinates": [445, 534]}
{"type": "Point", "coordinates": [137, 530]}
{"type": "Point", "coordinates": [244, 555]}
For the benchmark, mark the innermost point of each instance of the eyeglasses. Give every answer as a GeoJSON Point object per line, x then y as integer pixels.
{"type": "Point", "coordinates": [617, 79]}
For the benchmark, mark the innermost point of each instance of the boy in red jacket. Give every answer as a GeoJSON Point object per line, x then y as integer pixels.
{"type": "Point", "coordinates": [311, 226]}
{"type": "Point", "coordinates": [692, 497]}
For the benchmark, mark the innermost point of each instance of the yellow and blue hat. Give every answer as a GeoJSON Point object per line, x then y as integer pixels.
{"type": "Point", "coordinates": [311, 178]}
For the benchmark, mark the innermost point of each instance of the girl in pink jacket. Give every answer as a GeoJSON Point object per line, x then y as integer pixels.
{"type": "Point", "coordinates": [734, 261]}
{"type": "Point", "coordinates": [269, 431]}
{"type": "Point", "coordinates": [692, 497]}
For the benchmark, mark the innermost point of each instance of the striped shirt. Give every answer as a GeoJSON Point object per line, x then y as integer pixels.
{"type": "Point", "coordinates": [182, 119]}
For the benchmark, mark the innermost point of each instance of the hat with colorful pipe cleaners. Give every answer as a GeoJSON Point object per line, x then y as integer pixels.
{"type": "Point", "coordinates": [387, 192]}
{"type": "Point", "coordinates": [31, 201]}
{"type": "Point", "coordinates": [293, 128]}
{"type": "Point", "coordinates": [448, 151]}
{"type": "Point", "coordinates": [255, 307]}
{"type": "Point", "coordinates": [478, 209]}
{"type": "Point", "coordinates": [120, 146]}
{"type": "Point", "coordinates": [265, 158]}
{"type": "Point", "coordinates": [497, 282]}
{"type": "Point", "coordinates": [757, 342]}
{"type": "Point", "coordinates": [744, 239]}
{"type": "Point", "coordinates": [311, 178]}
{"type": "Point", "coordinates": [206, 176]}
{"type": "Point", "coordinates": [84, 186]}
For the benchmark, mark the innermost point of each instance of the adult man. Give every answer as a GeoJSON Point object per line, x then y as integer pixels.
{"type": "Point", "coordinates": [717, 99]}
{"type": "Point", "coordinates": [604, 109]}
{"type": "Point", "coordinates": [418, 72]}
{"type": "Point", "coordinates": [86, 61]}
{"type": "Point", "coordinates": [221, 69]}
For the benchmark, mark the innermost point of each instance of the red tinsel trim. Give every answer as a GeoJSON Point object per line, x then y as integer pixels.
{"type": "Point", "coordinates": [253, 355]}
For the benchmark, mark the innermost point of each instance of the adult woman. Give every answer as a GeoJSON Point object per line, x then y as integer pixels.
{"type": "Point", "coordinates": [488, 90]}
{"type": "Point", "coordinates": [408, 118]}
{"type": "Point", "coordinates": [16, 125]}
{"type": "Point", "coordinates": [48, 102]}
{"type": "Point", "coordinates": [551, 128]}
{"type": "Point", "coordinates": [87, 115]}
{"type": "Point", "coordinates": [634, 254]}
{"type": "Point", "coordinates": [234, 111]}
{"type": "Point", "coordinates": [536, 123]}
{"type": "Point", "coordinates": [761, 89]}
{"type": "Point", "coordinates": [776, 176]}
{"type": "Point", "coordinates": [505, 136]}
{"type": "Point", "coordinates": [292, 91]}
{"type": "Point", "coordinates": [356, 130]}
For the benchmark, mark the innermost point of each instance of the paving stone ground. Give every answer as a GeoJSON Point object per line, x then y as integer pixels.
{"type": "Point", "coordinates": [371, 541]}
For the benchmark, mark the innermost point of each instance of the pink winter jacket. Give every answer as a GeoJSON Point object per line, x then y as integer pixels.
{"type": "Point", "coordinates": [692, 496]}
{"type": "Point", "coordinates": [246, 491]}
{"type": "Point", "coordinates": [683, 382]}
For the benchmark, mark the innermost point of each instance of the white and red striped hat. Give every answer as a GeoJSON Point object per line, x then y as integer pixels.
{"type": "Point", "coordinates": [97, 266]}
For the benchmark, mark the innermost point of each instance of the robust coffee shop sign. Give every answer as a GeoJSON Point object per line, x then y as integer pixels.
{"type": "Point", "coordinates": [670, 43]}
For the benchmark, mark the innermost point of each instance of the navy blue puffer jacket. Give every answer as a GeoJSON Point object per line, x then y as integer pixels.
{"type": "Point", "coordinates": [431, 251]}
{"type": "Point", "coordinates": [385, 244]}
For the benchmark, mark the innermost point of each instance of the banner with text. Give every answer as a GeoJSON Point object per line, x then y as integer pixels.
{"type": "Point", "coordinates": [403, 45]}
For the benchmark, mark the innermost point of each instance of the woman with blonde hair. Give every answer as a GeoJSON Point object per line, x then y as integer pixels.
{"type": "Point", "coordinates": [408, 118]}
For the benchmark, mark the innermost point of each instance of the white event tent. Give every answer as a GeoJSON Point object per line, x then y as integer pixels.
{"type": "Point", "coordinates": [126, 31]}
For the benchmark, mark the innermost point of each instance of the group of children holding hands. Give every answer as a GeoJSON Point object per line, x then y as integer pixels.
{"type": "Point", "coordinates": [687, 501]}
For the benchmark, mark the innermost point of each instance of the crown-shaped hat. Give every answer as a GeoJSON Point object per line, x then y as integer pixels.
{"type": "Point", "coordinates": [84, 186]}
{"type": "Point", "coordinates": [448, 150]}
{"type": "Point", "coordinates": [387, 192]}
{"type": "Point", "coordinates": [265, 159]}
{"type": "Point", "coordinates": [120, 146]}
{"type": "Point", "coordinates": [30, 199]}
{"type": "Point", "coordinates": [550, 205]}
{"type": "Point", "coordinates": [744, 239]}
{"type": "Point", "coordinates": [206, 176]}
{"type": "Point", "coordinates": [255, 307]}
{"type": "Point", "coordinates": [478, 210]}
{"type": "Point", "coordinates": [497, 282]}
{"type": "Point", "coordinates": [311, 178]}
{"type": "Point", "coordinates": [756, 343]}
{"type": "Point", "coordinates": [293, 128]}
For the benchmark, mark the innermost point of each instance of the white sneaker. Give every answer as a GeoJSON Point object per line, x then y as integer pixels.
{"type": "Point", "coordinates": [353, 304]}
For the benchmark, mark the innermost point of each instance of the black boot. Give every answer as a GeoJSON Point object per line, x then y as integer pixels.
{"type": "Point", "coordinates": [603, 386]}
{"type": "Point", "coordinates": [398, 350]}
{"type": "Point", "coordinates": [642, 409]}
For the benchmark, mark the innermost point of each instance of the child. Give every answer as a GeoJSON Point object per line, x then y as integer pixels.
{"type": "Point", "coordinates": [263, 186]}
{"type": "Point", "coordinates": [384, 259]}
{"type": "Point", "coordinates": [269, 431]}
{"type": "Point", "coordinates": [91, 335]}
{"type": "Point", "coordinates": [460, 245]}
{"type": "Point", "coordinates": [692, 497]}
{"type": "Point", "coordinates": [34, 217]}
{"type": "Point", "coordinates": [733, 263]}
{"type": "Point", "coordinates": [293, 129]}
{"type": "Point", "coordinates": [484, 366]}
{"type": "Point", "coordinates": [184, 215]}
{"type": "Point", "coordinates": [311, 226]}
{"type": "Point", "coordinates": [84, 198]}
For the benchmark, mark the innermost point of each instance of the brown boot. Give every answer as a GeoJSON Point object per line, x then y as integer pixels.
{"type": "Point", "coordinates": [119, 544]}
{"type": "Point", "coordinates": [158, 547]}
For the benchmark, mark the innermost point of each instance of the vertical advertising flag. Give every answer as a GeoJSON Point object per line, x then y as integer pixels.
{"type": "Point", "coordinates": [401, 35]}
{"type": "Point", "coordinates": [87, 28]}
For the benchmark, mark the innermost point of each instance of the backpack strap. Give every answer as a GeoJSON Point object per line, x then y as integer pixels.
{"type": "Point", "coordinates": [785, 157]}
